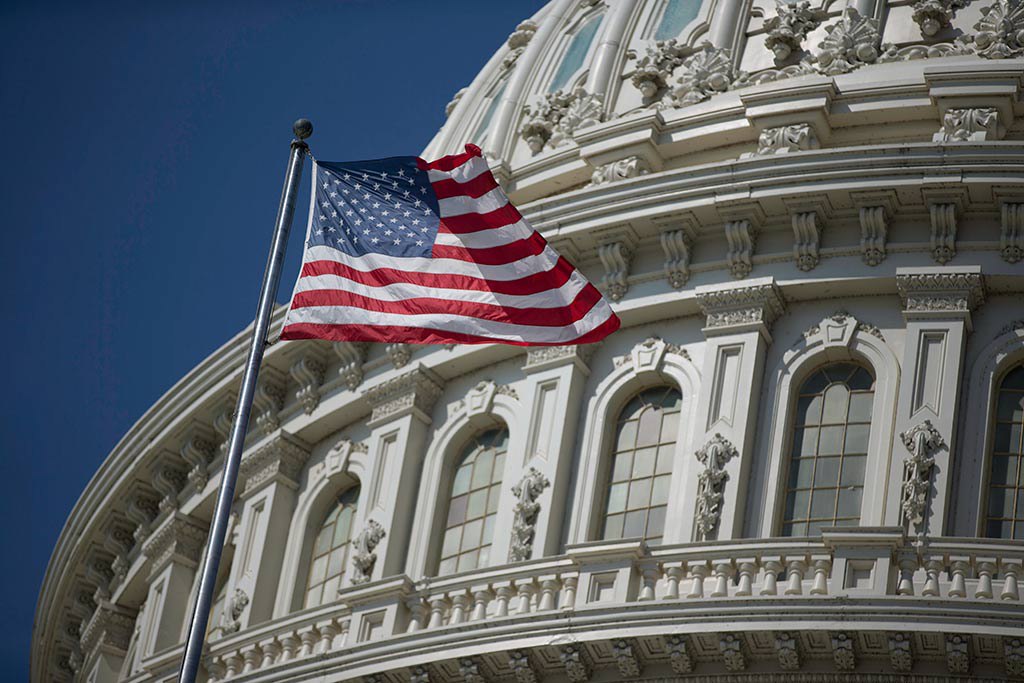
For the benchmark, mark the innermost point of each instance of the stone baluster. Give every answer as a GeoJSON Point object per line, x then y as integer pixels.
{"type": "Point", "coordinates": [460, 607]}
{"type": "Point", "coordinates": [959, 568]}
{"type": "Point", "coordinates": [215, 668]}
{"type": "Point", "coordinates": [822, 567]}
{"type": "Point", "coordinates": [328, 631]}
{"type": "Point", "coordinates": [569, 586]}
{"type": "Point", "coordinates": [795, 571]}
{"type": "Point", "coordinates": [931, 583]}
{"type": "Point", "coordinates": [548, 591]}
{"type": "Point", "coordinates": [271, 651]}
{"type": "Point", "coordinates": [309, 637]}
{"type": "Point", "coordinates": [481, 598]}
{"type": "Point", "coordinates": [290, 644]}
{"type": "Point", "coordinates": [233, 665]}
{"type": "Point", "coordinates": [986, 568]}
{"type": "Point", "coordinates": [673, 575]}
{"type": "Point", "coordinates": [251, 658]}
{"type": "Point", "coordinates": [417, 614]}
{"type": "Point", "coordinates": [524, 593]}
{"type": "Point", "coordinates": [1011, 570]}
{"type": "Point", "coordinates": [649, 580]}
{"type": "Point", "coordinates": [697, 574]}
{"type": "Point", "coordinates": [908, 565]}
{"type": "Point", "coordinates": [746, 568]}
{"type": "Point", "coordinates": [438, 605]}
{"type": "Point", "coordinates": [723, 573]}
{"type": "Point", "coordinates": [503, 594]}
{"type": "Point", "coordinates": [772, 567]}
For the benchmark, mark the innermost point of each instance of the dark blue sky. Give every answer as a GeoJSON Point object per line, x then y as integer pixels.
{"type": "Point", "coordinates": [144, 146]}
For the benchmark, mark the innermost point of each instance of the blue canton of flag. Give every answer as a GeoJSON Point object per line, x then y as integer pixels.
{"type": "Point", "coordinates": [384, 206]}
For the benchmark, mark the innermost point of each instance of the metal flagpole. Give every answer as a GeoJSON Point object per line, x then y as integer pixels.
{"type": "Point", "coordinates": [268, 292]}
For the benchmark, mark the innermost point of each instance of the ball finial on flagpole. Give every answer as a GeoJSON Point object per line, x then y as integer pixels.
{"type": "Point", "coordinates": [302, 128]}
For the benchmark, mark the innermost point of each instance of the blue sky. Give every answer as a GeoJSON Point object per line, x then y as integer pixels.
{"type": "Point", "coordinates": [144, 146]}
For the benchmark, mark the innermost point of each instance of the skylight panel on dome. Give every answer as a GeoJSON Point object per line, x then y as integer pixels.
{"type": "Point", "coordinates": [577, 52]}
{"type": "Point", "coordinates": [677, 14]}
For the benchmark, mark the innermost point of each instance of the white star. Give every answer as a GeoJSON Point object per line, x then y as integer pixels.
{"type": "Point", "coordinates": [376, 186]}
{"type": "Point", "coordinates": [325, 184]}
{"type": "Point", "coordinates": [423, 190]}
{"type": "Point", "coordinates": [401, 172]}
{"type": "Point", "coordinates": [319, 231]}
{"type": "Point", "coordinates": [385, 212]}
{"type": "Point", "coordinates": [406, 214]}
{"type": "Point", "coordinates": [387, 196]}
{"type": "Point", "coordinates": [358, 222]}
{"type": "Point", "coordinates": [334, 194]}
{"type": "Point", "coordinates": [358, 187]}
{"type": "Point", "coordinates": [384, 175]}
{"type": "Point", "coordinates": [419, 243]}
{"type": "Point", "coordinates": [345, 190]}
{"type": "Point", "coordinates": [406, 193]}
{"type": "Point", "coordinates": [398, 205]}
{"type": "Point", "coordinates": [331, 230]}
{"type": "Point", "coordinates": [350, 212]}
{"type": "Point", "coordinates": [346, 176]}
{"type": "Point", "coordinates": [388, 233]}
{"type": "Point", "coordinates": [366, 176]}
{"type": "Point", "coordinates": [415, 221]}
{"type": "Point", "coordinates": [366, 196]}
{"type": "Point", "coordinates": [334, 214]}
{"type": "Point", "coordinates": [424, 229]}
{"type": "Point", "coordinates": [323, 217]}
{"type": "Point", "coordinates": [376, 205]}
{"type": "Point", "coordinates": [394, 185]}
{"type": "Point", "coordinates": [325, 204]}
{"type": "Point", "coordinates": [398, 241]}
{"type": "Point", "coordinates": [394, 220]}
{"type": "Point", "coordinates": [426, 212]}
{"type": "Point", "coordinates": [363, 209]}
{"type": "Point", "coordinates": [417, 203]}
{"type": "Point", "coordinates": [366, 232]}
{"type": "Point", "coordinates": [375, 240]}
{"type": "Point", "coordinates": [380, 225]}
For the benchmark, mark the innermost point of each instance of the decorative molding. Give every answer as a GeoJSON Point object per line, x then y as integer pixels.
{"type": "Point", "coordinates": [627, 658]}
{"type": "Point", "coordinates": [834, 329]}
{"type": "Point", "coordinates": [1011, 232]}
{"type": "Point", "coordinates": [517, 42]}
{"type": "Point", "coordinates": [934, 15]}
{"type": "Point", "coordinates": [893, 53]}
{"type": "Point", "coordinates": [806, 237]}
{"type": "Point", "coordinates": [736, 307]}
{"type": "Point", "coordinates": [922, 441]}
{"type": "Point", "coordinates": [1013, 656]}
{"type": "Point", "coordinates": [742, 239]}
{"type": "Point", "coordinates": [943, 237]}
{"type": "Point", "coordinates": [707, 71]}
{"type": "Point", "coordinates": [843, 654]}
{"type": "Point", "coordinates": [970, 124]}
{"type": "Point", "coordinates": [680, 654]}
{"type": "Point", "coordinates": [168, 480]}
{"type": "Point", "coordinates": [999, 34]}
{"type": "Point", "coordinates": [850, 43]}
{"type": "Point", "coordinates": [958, 653]}
{"type": "Point", "coordinates": [901, 654]}
{"type": "Point", "coordinates": [654, 70]}
{"type": "Point", "coordinates": [232, 621]}
{"type": "Point", "coordinates": [336, 460]}
{"type": "Point", "coordinates": [223, 421]}
{"type": "Point", "coordinates": [874, 230]}
{"type": "Point", "coordinates": [711, 484]}
{"type": "Point", "coordinates": [469, 670]}
{"type": "Point", "coordinates": [399, 354]}
{"type": "Point", "coordinates": [733, 652]}
{"type": "Point", "coordinates": [109, 627]}
{"type": "Point", "coordinates": [269, 400]}
{"type": "Point", "coordinates": [363, 557]}
{"type": "Point", "coordinates": [525, 512]}
{"type": "Point", "coordinates": [794, 137]}
{"type": "Point", "coordinates": [308, 372]}
{"type": "Point", "coordinates": [789, 27]}
{"type": "Point", "coordinates": [523, 667]}
{"type": "Point", "coordinates": [576, 661]}
{"type": "Point", "coordinates": [420, 674]}
{"type": "Point", "coordinates": [616, 257]}
{"type": "Point", "coordinates": [623, 169]}
{"type": "Point", "coordinates": [677, 246]}
{"type": "Point", "coordinates": [352, 356]}
{"type": "Point", "coordinates": [198, 447]}
{"type": "Point", "coordinates": [414, 391]}
{"type": "Point", "coordinates": [118, 541]}
{"type": "Point", "coordinates": [553, 120]}
{"type": "Point", "coordinates": [787, 649]}
{"type": "Point", "coordinates": [141, 511]}
{"type": "Point", "coordinates": [280, 459]}
{"type": "Point", "coordinates": [180, 539]}
{"type": "Point", "coordinates": [933, 292]}
{"type": "Point", "coordinates": [543, 357]}
{"type": "Point", "coordinates": [480, 399]}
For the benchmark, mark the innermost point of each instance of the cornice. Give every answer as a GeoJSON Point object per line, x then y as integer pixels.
{"type": "Point", "coordinates": [740, 308]}
{"type": "Point", "coordinates": [413, 392]}
{"type": "Point", "coordinates": [279, 459]}
{"type": "Point", "coordinates": [940, 293]}
{"type": "Point", "coordinates": [179, 539]}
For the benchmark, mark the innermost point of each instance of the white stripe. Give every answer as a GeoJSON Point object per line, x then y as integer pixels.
{"type": "Point", "coordinates": [485, 203]}
{"type": "Point", "coordinates": [519, 230]}
{"type": "Point", "coordinates": [550, 298]}
{"type": "Point", "coordinates": [528, 265]}
{"type": "Point", "coordinates": [460, 174]}
{"type": "Point", "coordinates": [334, 315]}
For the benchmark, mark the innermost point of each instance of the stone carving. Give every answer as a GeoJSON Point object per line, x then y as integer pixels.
{"type": "Point", "coordinates": [790, 26]}
{"type": "Point", "coordinates": [999, 34]}
{"type": "Point", "coordinates": [934, 15]}
{"type": "Point", "coordinates": [110, 626]}
{"type": "Point", "coordinates": [1013, 656]}
{"type": "Point", "coordinates": [893, 53]}
{"type": "Point", "coordinates": [627, 659]}
{"type": "Point", "coordinates": [647, 355]}
{"type": "Point", "coordinates": [141, 511]}
{"type": "Point", "coordinates": [555, 118]}
{"type": "Point", "coordinates": [283, 456]}
{"type": "Point", "coordinates": [541, 356]}
{"type": "Point", "coordinates": [363, 557]}
{"type": "Point", "coordinates": [796, 137]}
{"type": "Point", "coordinates": [922, 441]}
{"type": "Point", "coordinates": [1011, 232]}
{"type": "Point", "coordinates": [480, 399]}
{"type": "Point", "coordinates": [527, 493]}
{"type": "Point", "coordinates": [419, 674]}
{"type": "Point", "coordinates": [843, 655]}
{"type": "Point", "coordinates": [710, 484]}
{"type": "Point", "coordinates": [958, 653]}
{"type": "Point", "coordinates": [181, 537]}
{"type": "Point", "coordinates": [448, 109]}
{"type": "Point", "coordinates": [414, 390]}
{"type": "Point", "coordinates": [975, 123]}
{"type": "Point", "coordinates": [268, 401]}
{"type": "Point", "coordinates": [733, 656]}
{"type": "Point", "coordinates": [850, 43]}
{"type": "Point", "coordinates": [119, 542]}
{"type": "Point", "coordinates": [576, 661]}
{"type": "Point", "coordinates": [352, 355]}
{"type": "Point", "coordinates": [788, 651]}
{"type": "Point", "coordinates": [523, 667]}
{"type": "Point", "coordinates": [707, 71]}
{"type": "Point", "coordinates": [676, 245]}
{"type": "Point", "coordinates": [679, 654]}
{"type": "Point", "coordinates": [168, 480]}
{"type": "Point", "coordinates": [308, 372]}
{"type": "Point", "coordinates": [758, 304]}
{"type": "Point", "coordinates": [223, 421]}
{"type": "Point", "coordinates": [806, 234]}
{"type": "Point", "coordinates": [742, 239]}
{"type": "Point", "coordinates": [518, 41]}
{"type": "Point", "coordinates": [616, 258]}
{"type": "Point", "coordinates": [236, 607]}
{"type": "Point", "coordinates": [874, 225]}
{"type": "Point", "coordinates": [197, 449]}
{"type": "Point", "coordinates": [841, 318]}
{"type": "Point", "coordinates": [469, 669]}
{"type": "Point", "coordinates": [948, 292]}
{"type": "Point", "coordinates": [943, 222]}
{"type": "Point", "coordinates": [655, 68]}
{"type": "Point", "coordinates": [399, 354]}
{"type": "Point", "coordinates": [901, 655]}
{"type": "Point", "coordinates": [630, 167]}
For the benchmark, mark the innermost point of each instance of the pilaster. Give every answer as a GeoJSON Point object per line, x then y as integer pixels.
{"type": "Point", "coordinates": [737, 331]}
{"type": "Point", "coordinates": [173, 550]}
{"type": "Point", "coordinates": [937, 306]}
{"type": "Point", "coordinates": [105, 639]}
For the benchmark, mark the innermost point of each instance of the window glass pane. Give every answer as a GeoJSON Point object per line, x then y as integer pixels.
{"type": "Point", "coordinates": [659, 490]}
{"type": "Point", "coordinates": [1000, 502]}
{"type": "Point", "coordinates": [452, 538]}
{"type": "Point", "coordinates": [808, 410]}
{"type": "Point", "coordinates": [801, 473]}
{"type": "Point", "coordinates": [471, 534]}
{"type": "Point", "coordinates": [617, 497]}
{"type": "Point", "coordinates": [457, 510]}
{"type": "Point", "coordinates": [860, 407]}
{"type": "Point", "coordinates": [488, 533]}
{"type": "Point", "coordinates": [1004, 469]}
{"type": "Point", "coordinates": [1014, 379]}
{"type": "Point", "coordinates": [831, 441]}
{"type": "Point", "coordinates": [477, 504]}
{"type": "Point", "coordinates": [677, 14]}
{"type": "Point", "coordinates": [857, 439]}
{"type": "Point", "coordinates": [669, 427]}
{"type": "Point", "coordinates": [623, 466]}
{"type": "Point", "coordinates": [853, 470]}
{"type": "Point", "coordinates": [849, 503]}
{"type": "Point", "coordinates": [1005, 505]}
{"type": "Point", "coordinates": [805, 441]}
{"type": "Point", "coordinates": [836, 398]}
{"type": "Point", "coordinates": [1010, 407]}
{"type": "Point", "coordinates": [649, 430]}
{"type": "Point", "coordinates": [627, 436]}
{"type": "Point", "coordinates": [665, 454]}
{"type": "Point", "coordinates": [575, 54]}
{"type": "Point", "coordinates": [639, 494]}
{"type": "Point", "coordinates": [823, 504]}
{"type": "Point", "coordinates": [613, 526]}
{"type": "Point", "coordinates": [656, 522]}
{"type": "Point", "coordinates": [643, 462]}
{"type": "Point", "coordinates": [826, 472]}
{"type": "Point", "coordinates": [634, 524]}
{"type": "Point", "coordinates": [462, 477]}
{"type": "Point", "coordinates": [330, 593]}
{"type": "Point", "coordinates": [467, 562]}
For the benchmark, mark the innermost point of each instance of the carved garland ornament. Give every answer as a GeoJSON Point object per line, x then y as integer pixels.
{"type": "Point", "coordinates": [934, 15]}
{"type": "Point", "coordinates": [623, 169]}
{"type": "Point", "coordinates": [922, 441]}
{"type": "Point", "coordinates": [654, 69]}
{"type": "Point", "coordinates": [527, 493]}
{"type": "Point", "coordinates": [554, 119]}
{"type": "Point", "coordinates": [364, 558]}
{"type": "Point", "coordinates": [711, 483]}
{"type": "Point", "coordinates": [790, 26]}
{"type": "Point", "coordinates": [999, 34]}
{"type": "Point", "coordinates": [850, 43]}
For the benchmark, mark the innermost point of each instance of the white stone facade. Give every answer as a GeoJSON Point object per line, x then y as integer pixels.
{"type": "Point", "coordinates": [774, 190]}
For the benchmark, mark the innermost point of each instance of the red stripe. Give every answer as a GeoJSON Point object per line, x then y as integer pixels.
{"type": "Point", "coordinates": [541, 317]}
{"type": "Point", "coordinates": [450, 162]}
{"type": "Point", "coordinates": [493, 256]}
{"type": "Point", "coordinates": [475, 222]}
{"type": "Point", "coordinates": [475, 187]}
{"type": "Point", "coordinates": [391, 334]}
{"type": "Point", "coordinates": [554, 278]}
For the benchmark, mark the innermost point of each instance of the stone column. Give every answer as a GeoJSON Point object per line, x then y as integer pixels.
{"type": "Point", "coordinates": [173, 550]}
{"type": "Point", "coordinates": [937, 305]}
{"type": "Point", "coordinates": [727, 27]}
{"type": "Point", "coordinates": [609, 49]}
{"type": "Point", "coordinates": [718, 467]}
{"type": "Point", "coordinates": [555, 379]}
{"type": "Point", "coordinates": [400, 426]}
{"type": "Point", "coordinates": [269, 479]}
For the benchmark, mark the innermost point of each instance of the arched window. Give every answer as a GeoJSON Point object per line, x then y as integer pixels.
{"type": "Point", "coordinates": [473, 505]}
{"type": "Point", "coordinates": [573, 58]}
{"type": "Point", "coordinates": [1005, 517]}
{"type": "Point", "coordinates": [330, 550]}
{"type": "Point", "coordinates": [641, 466]}
{"type": "Point", "coordinates": [479, 135]}
{"type": "Point", "coordinates": [674, 18]}
{"type": "Point", "coordinates": [829, 450]}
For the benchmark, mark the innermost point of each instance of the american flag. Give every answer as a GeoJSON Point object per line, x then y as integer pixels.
{"type": "Point", "coordinates": [404, 250]}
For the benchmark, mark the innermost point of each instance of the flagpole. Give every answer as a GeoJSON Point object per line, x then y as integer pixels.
{"type": "Point", "coordinates": [222, 512]}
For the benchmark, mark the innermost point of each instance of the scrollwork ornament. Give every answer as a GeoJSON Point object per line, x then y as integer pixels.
{"type": "Point", "coordinates": [364, 556]}
{"type": "Point", "coordinates": [623, 169]}
{"type": "Point", "coordinates": [999, 34]}
{"type": "Point", "coordinates": [790, 26]}
{"type": "Point", "coordinates": [850, 43]}
{"type": "Point", "coordinates": [654, 69]}
{"type": "Point", "coordinates": [711, 482]}
{"type": "Point", "coordinates": [556, 117]}
{"type": "Point", "coordinates": [707, 71]}
{"type": "Point", "coordinates": [922, 441]}
{"type": "Point", "coordinates": [527, 508]}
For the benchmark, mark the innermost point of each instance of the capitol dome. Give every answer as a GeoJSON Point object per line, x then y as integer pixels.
{"type": "Point", "coordinates": [800, 459]}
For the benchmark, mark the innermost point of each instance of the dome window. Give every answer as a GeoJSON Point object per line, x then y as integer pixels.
{"type": "Point", "coordinates": [574, 57]}
{"type": "Point", "coordinates": [675, 17]}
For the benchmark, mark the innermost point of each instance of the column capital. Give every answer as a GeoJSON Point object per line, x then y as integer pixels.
{"type": "Point", "coordinates": [179, 539]}
{"type": "Point", "coordinates": [109, 628]}
{"type": "Point", "coordinates": [731, 308]}
{"type": "Point", "coordinates": [413, 392]}
{"type": "Point", "coordinates": [279, 459]}
{"type": "Point", "coordinates": [940, 293]}
{"type": "Point", "coordinates": [544, 357]}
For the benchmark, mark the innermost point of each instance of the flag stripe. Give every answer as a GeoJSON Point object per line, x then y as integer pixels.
{"type": "Point", "coordinates": [446, 188]}
{"type": "Point", "coordinates": [465, 205]}
{"type": "Point", "coordinates": [533, 245]}
{"type": "Point", "coordinates": [444, 266]}
{"type": "Point", "coordinates": [474, 222]}
{"type": "Point", "coordinates": [487, 238]}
